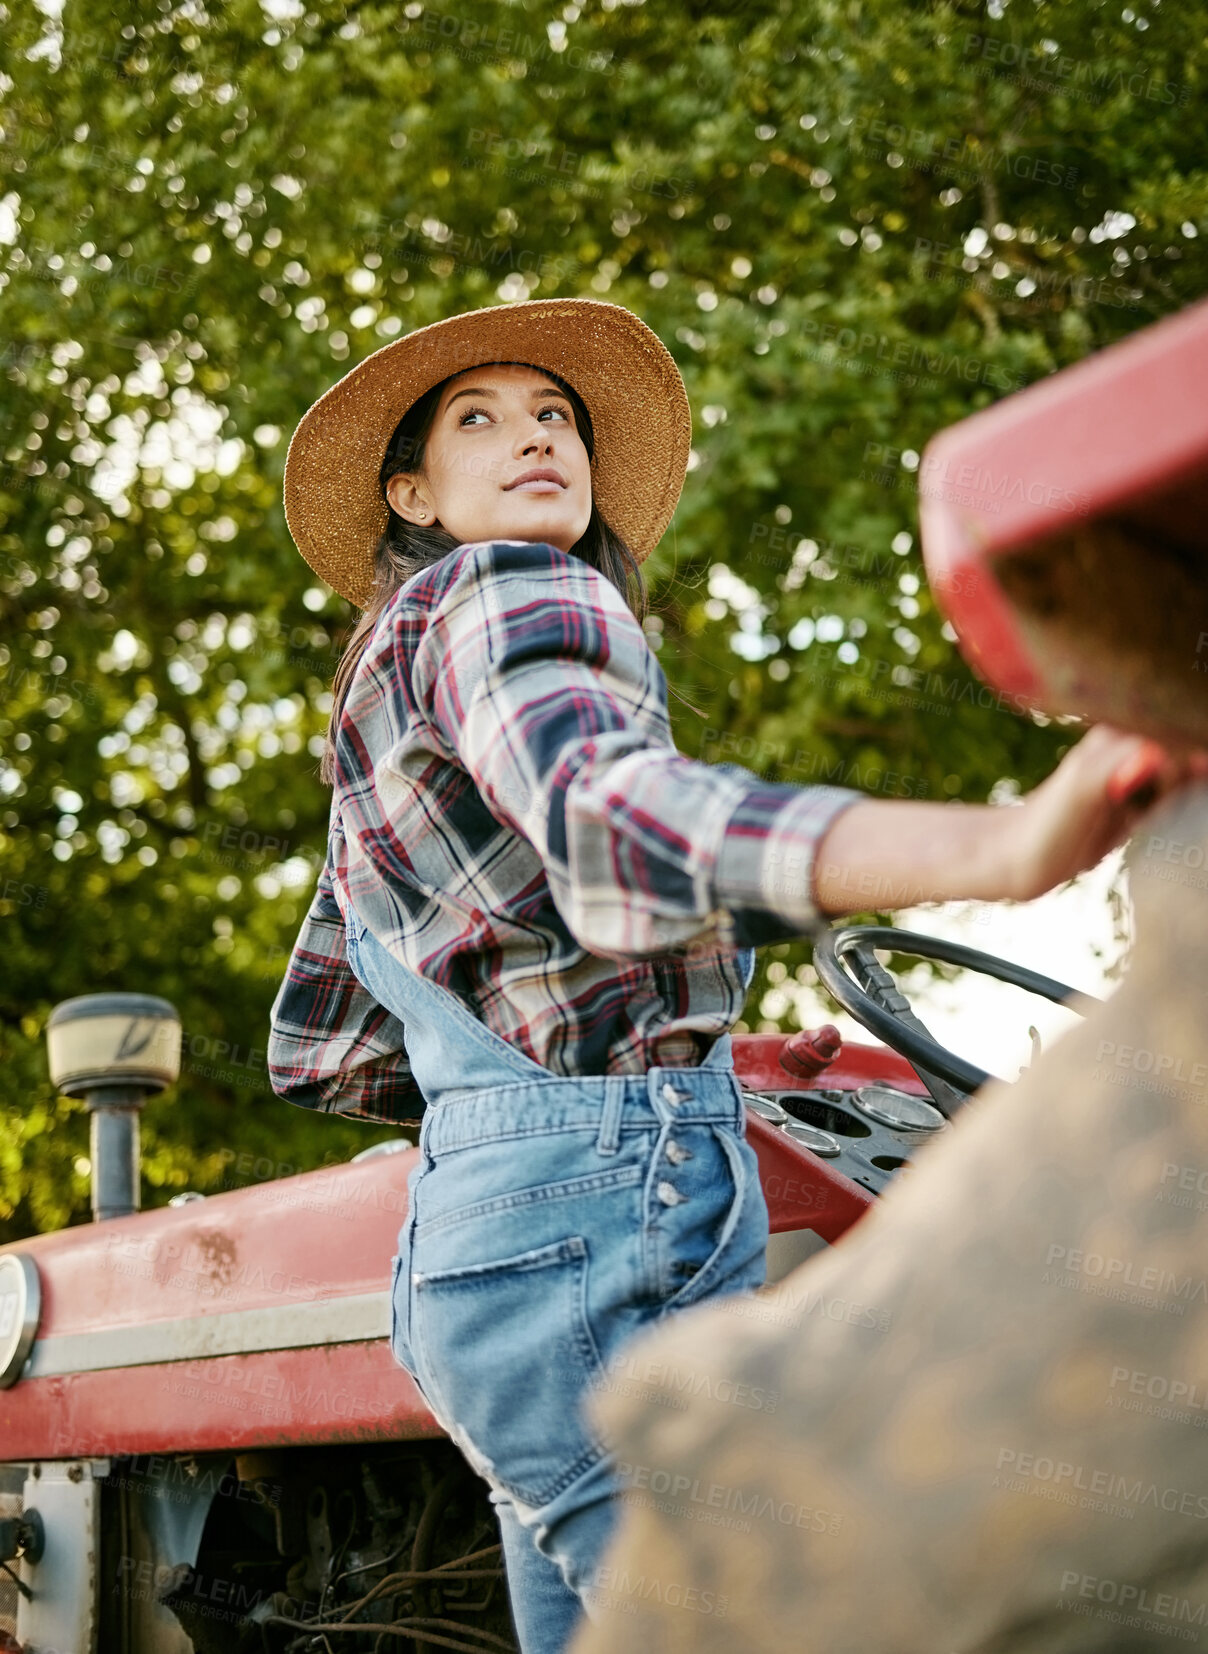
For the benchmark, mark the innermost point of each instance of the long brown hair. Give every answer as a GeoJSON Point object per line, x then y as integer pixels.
{"type": "Point", "coordinates": [405, 547]}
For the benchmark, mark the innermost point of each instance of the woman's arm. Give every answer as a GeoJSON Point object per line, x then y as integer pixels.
{"type": "Point", "coordinates": [534, 676]}
{"type": "Point", "coordinates": [890, 853]}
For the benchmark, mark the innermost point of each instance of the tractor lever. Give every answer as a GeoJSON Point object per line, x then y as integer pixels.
{"type": "Point", "coordinates": [880, 986]}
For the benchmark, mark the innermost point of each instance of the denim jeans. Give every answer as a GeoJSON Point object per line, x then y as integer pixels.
{"type": "Point", "coordinates": [549, 1221]}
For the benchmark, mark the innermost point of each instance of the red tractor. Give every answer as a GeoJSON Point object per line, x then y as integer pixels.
{"type": "Point", "coordinates": [205, 1443]}
{"type": "Point", "coordinates": [209, 1445]}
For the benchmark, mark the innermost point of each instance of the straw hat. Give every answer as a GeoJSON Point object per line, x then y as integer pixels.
{"type": "Point", "coordinates": [627, 379]}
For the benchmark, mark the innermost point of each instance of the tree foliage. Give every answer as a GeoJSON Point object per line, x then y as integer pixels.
{"type": "Point", "coordinates": [852, 222]}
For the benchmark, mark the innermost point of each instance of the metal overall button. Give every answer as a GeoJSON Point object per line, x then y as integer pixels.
{"type": "Point", "coordinates": [670, 1195]}
{"type": "Point", "coordinates": [673, 1096]}
{"type": "Point", "coordinates": [676, 1152]}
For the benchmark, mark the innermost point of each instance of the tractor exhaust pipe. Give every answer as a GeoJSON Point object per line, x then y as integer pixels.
{"type": "Point", "coordinates": [114, 1051]}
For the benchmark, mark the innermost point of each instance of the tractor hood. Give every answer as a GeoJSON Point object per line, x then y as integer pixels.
{"type": "Point", "coordinates": [257, 1316]}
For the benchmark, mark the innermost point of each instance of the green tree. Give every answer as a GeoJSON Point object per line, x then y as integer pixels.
{"type": "Point", "coordinates": [852, 222]}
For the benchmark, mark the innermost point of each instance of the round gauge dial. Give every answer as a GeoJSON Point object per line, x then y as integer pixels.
{"type": "Point", "coordinates": [813, 1138]}
{"type": "Point", "coordinates": [766, 1107]}
{"type": "Point", "coordinates": [897, 1109]}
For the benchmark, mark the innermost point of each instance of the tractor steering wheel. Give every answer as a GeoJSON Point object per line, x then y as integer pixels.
{"type": "Point", "coordinates": [872, 997]}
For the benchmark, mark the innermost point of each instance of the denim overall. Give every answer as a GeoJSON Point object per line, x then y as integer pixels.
{"type": "Point", "coordinates": [549, 1220]}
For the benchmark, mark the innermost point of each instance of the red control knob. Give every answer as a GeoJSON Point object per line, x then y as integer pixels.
{"type": "Point", "coordinates": [810, 1051]}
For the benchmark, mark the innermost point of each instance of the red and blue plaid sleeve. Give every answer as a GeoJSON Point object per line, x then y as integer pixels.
{"type": "Point", "coordinates": [538, 679]}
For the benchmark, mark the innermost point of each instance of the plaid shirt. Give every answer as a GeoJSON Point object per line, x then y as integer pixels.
{"type": "Point", "coordinates": [512, 819]}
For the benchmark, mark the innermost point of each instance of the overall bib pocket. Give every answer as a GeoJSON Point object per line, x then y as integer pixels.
{"type": "Point", "coordinates": [504, 1351]}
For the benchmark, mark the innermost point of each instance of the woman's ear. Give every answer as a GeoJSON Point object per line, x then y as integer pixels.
{"type": "Point", "coordinates": [406, 499]}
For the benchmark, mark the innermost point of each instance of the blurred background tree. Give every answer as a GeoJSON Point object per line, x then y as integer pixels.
{"type": "Point", "coordinates": [852, 222]}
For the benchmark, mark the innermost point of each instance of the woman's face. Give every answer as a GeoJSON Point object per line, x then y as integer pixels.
{"type": "Point", "coordinates": [492, 426]}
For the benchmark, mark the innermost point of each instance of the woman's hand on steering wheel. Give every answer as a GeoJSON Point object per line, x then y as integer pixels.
{"type": "Point", "coordinates": [1092, 802]}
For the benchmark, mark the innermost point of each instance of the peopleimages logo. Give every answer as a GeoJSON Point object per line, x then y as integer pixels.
{"type": "Point", "coordinates": [1108, 1484]}
{"type": "Point", "coordinates": [909, 354]}
{"type": "Point", "coordinates": [1046, 66]}
{"type": "Point", "coordinates": [936, 472]}
{"type": "Point", "coordinates": [617, 1588]}
{"type": "Point", "coordinates": [692, 1382]}
{"type": "Point", "coordinates": [1133, 1600]}
{"type": "Point", "coordinates": [1177, 1392]}
{"type": "Point", "coordinates": [1140, 1059]}
{"type": "Point", "coordinates": [1124, 1272]}
{"type": "Point", "coordinates": [749, 1503]}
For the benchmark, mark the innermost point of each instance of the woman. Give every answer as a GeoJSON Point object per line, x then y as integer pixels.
{"type": "Point", "coordinates": [536, 923]}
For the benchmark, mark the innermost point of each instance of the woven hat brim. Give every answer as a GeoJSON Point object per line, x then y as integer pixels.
{"type": "Point", "coordinates": [627, 378]}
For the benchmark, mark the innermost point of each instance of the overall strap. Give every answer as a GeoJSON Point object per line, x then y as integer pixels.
{"type": "Point", "coordinates": [449, 1048]}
